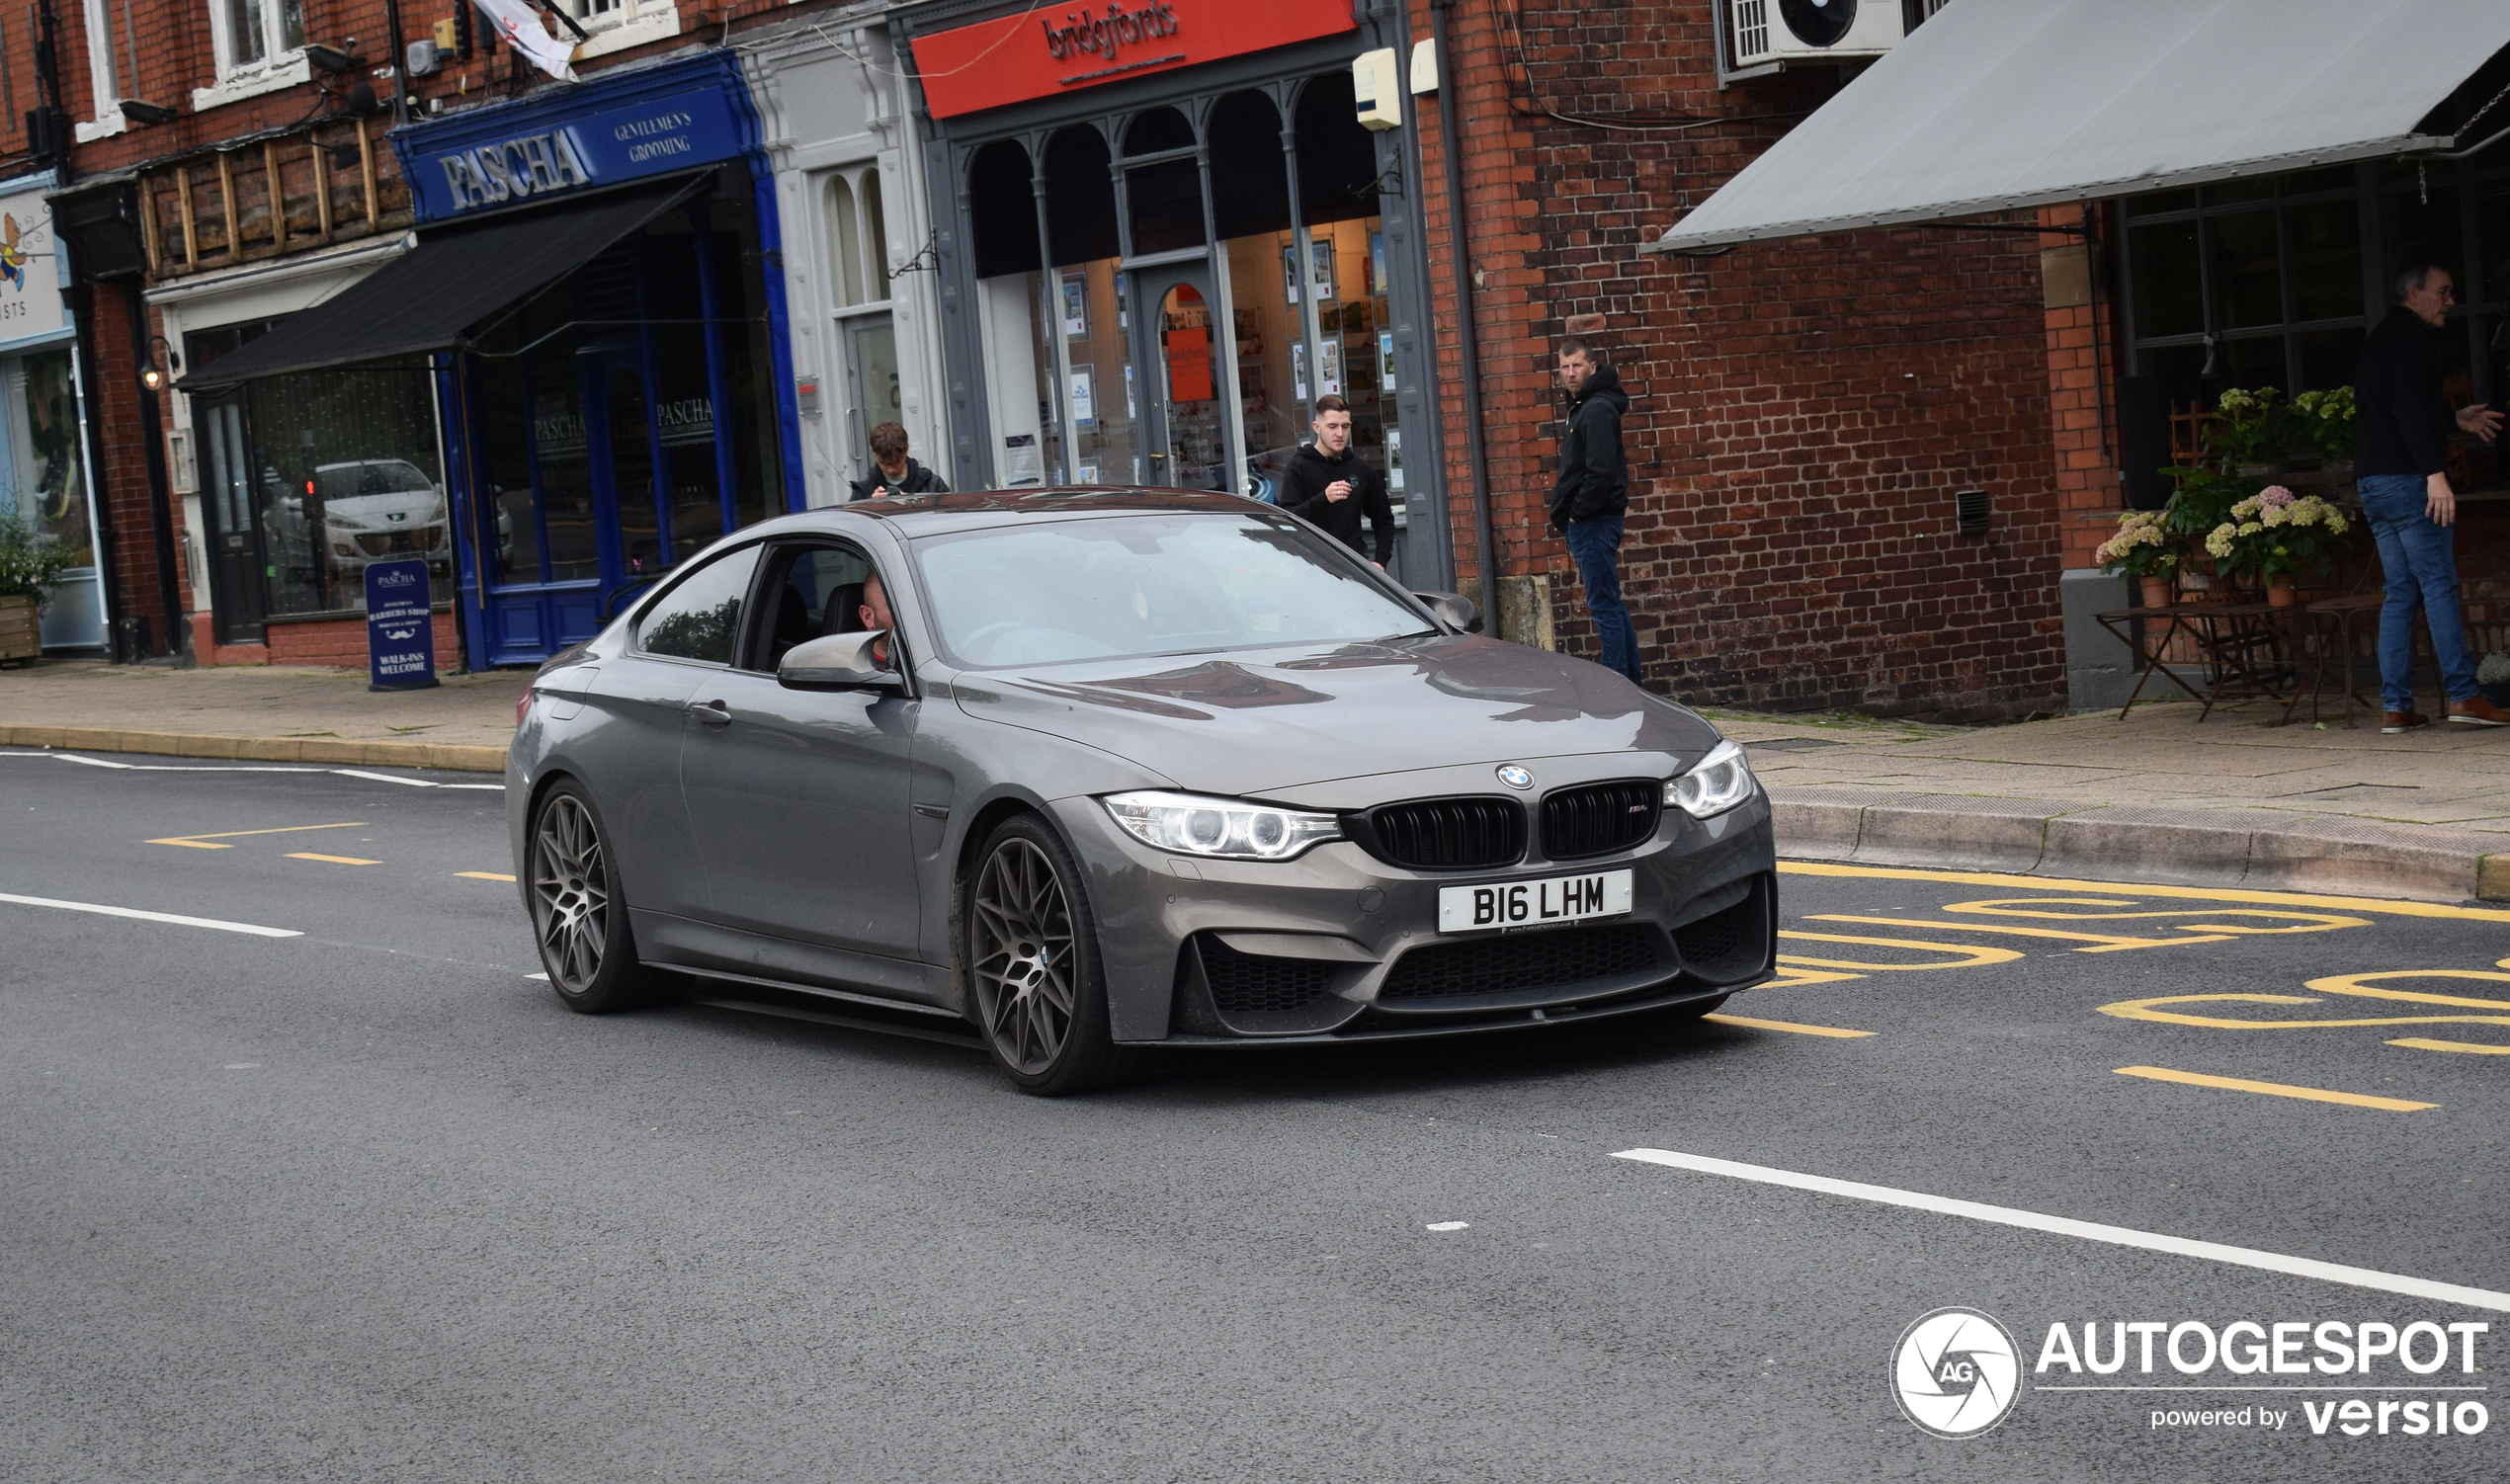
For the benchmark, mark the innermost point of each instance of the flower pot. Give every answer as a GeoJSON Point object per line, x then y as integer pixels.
{"type": "Point", "coordinates": [2279, 593]}
{"type": "Point", "coordinates": [19, 638]}
{"type": "Point", "coordinates": [2157, 592]}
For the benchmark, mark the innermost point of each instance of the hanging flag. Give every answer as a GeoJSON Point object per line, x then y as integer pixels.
{"type": "Point", "coordinates": [520, 24]}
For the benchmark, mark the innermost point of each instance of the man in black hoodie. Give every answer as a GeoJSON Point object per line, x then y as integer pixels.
{"type": "Point", "coordinates": [893, 472]}
{"type": "Point", "coordinates": [1591, 492]}
{"type": "Point", "coordinates": [1329, 484]}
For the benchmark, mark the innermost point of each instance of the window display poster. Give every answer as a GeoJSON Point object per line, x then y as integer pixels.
{"type": "Point", "coordinates": [1393, 459]}
{"type": "Point", "coordinates": [1321, 261]}
{"type": "Point", "coordinates": [1376, 265]}
{"type": "Point", "coordinates": [1022, 461]}
{"type": "Point", "coordinates": [1132, 411]}
{"type": "Point", "coordinates": [1123, 305]}
{"type": "Point", "coordinates": [1075, 304]}
{"type": "Point", "coordinates": [1330, 366]}
{"type": "Point", "coordinates": [1189, 364]}
{"type": "Point", "coordinates": [1289, 275]}
{"type": "Point", "coordinates": [1084, 400]}
{"type": "Point", "coordinates": [1086, 475]}
{"type": "Point", "coordinates": [1386, 359]}
{"type": "Point", "coordinates": [1298, 372]}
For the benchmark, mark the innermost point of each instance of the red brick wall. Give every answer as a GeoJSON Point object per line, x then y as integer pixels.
{"type": "Point", "coordinates": [1802, 412]}
{"type": "Point", "coordinates": [342, 641]}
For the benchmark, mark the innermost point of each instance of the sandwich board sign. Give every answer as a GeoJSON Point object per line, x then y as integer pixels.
{"type": "Point", "coordinates": [400, 627]}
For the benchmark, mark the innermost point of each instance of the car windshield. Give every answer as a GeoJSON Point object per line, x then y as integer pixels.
{"type": "Point", "coordinates": [1148, 585]}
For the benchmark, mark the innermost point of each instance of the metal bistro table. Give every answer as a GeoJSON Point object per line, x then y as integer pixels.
{"type": "Point", "coordinates": [2174, 619]}
{"type": "Point", "coordinates": [2253, 649]}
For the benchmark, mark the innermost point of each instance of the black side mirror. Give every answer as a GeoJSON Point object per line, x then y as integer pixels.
{"type": "Point", "coordinates": [1454, 608]}
{"type": "Point", "coordinates": [837, 662]}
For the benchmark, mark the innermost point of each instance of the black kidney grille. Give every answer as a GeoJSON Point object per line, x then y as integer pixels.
{"type": "Point", "coordinates": [1529, 960]}
{"type": "Point", "coordinates": [1447, 834]}
{"type": "Point", "coordinates": [1596, 819]}
{"type": "Point", "coordinates": [1244, 984]}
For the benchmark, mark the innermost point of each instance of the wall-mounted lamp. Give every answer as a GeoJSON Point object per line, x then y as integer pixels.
{"type": "Point", "coordinates": [154, 376]}
{"type": "Point", "coordinates": [334, 58]}
{"type": "Point", "coordinates": [144, 113]}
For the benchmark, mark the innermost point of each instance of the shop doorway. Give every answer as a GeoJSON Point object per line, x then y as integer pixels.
{"type": "Point", "coordinates": [1185, 430]}
{"type": "Point", "coordinates": [871, 389]}
{"type": "Point", "coordinates": [237, 561]}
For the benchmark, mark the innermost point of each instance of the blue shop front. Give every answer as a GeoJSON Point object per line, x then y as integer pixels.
{"type": "Point", "coordinates": [589, 308]}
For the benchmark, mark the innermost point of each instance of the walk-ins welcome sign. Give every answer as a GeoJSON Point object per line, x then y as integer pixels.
{"type": "Point", "coordinates": [400, 627]}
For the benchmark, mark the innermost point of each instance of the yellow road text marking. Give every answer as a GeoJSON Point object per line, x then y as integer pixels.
{"type": "Point", "coordinates": [1756, 1025]}
{"type": "Point", "coordinates": [2175, 893]}
{"type": "Point", "coordinates": [1963, 955]}
{"type": "Point", "coordinates": [2360, 986]}
{"type": "Point", "coordinates": [2277, 1089]}
{"type": "Point", "coordinates": [482, 875]}
{"type": "Point", "coordinates": [330, 859]}
{"type": "Point", "coordinates": [201, 842]}
{"type": "Point", "coordinates": [2104, 943]}
{"type": "Point", "coordinates": [2423, 1043]}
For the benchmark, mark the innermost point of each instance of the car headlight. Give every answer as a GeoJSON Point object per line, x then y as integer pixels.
{"type": "Point", "coordinates": [1192, 824]}
{"type": "Point", "coordinates": [1714, 783]}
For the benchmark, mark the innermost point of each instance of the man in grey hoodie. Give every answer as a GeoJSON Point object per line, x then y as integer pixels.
{"type": "Point", "coordinates": [1591, 492]}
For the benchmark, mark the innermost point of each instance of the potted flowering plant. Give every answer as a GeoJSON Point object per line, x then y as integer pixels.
{"type": "Point", "coordinates": [2278, 535]}
{"type": "Point", "coordinates": [2145, 548]}
{"type": "Point", "coordinates": [31, 565]}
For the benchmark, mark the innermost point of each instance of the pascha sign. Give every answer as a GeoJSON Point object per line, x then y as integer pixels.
{"type": "Point", "coordinates": [1055, 48]}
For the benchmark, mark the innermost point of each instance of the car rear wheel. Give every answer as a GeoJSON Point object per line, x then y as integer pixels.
{"type": "Point", "coordinates": [579, 914]}
{"type": "Point", "coordinates": [1031, 953]}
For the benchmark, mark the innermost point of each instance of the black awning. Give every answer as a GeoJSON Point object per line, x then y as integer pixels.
{"type": "Point", "coordinates": [424, 300]}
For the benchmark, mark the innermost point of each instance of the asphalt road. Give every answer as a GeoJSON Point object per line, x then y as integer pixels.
{"type": "Point", "coordinates": [369, 1202]}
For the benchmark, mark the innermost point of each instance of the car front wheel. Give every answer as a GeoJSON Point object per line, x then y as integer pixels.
{"type": "Point", "coordinates": [1030, 955]}
{"type": "Point", "coordinates": [578, 913]}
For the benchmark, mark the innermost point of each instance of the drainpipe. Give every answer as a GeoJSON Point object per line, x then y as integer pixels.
{"type": "Point", "coordinates": [1467, 343]}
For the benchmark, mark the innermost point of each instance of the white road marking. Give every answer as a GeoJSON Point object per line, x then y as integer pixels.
{"type": "Point", "coordinates": [1447, 1225]}
{"type": "Point", "coordinates": [242, 1066]}
{"type": "Point", "coordinates": [543, 978]}
{"type": "Point", "coordinates": [2091, 1231]}
{"type": "Point", "coordinates": [354, 773]}
{"type": "Point", "coordinates": [152, 917]}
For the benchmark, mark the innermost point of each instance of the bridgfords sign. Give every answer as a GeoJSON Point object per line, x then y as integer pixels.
{"type": "Point", "coordinates": [1041, 53]}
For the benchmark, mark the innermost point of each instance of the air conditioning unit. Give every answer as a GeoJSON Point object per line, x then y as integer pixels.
{"type": "Point", "coordinates": [1798, 33]}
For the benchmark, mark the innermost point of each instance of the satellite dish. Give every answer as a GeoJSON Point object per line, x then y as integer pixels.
{"type": "Point", "coordinates": [1819, 23]}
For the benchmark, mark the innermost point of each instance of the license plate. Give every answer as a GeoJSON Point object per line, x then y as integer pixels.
{"type": "Point", "coordinates": [1528, 904]}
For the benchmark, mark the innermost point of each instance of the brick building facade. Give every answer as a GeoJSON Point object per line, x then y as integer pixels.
{"type": "Point", "coordinates": [1803, 413]}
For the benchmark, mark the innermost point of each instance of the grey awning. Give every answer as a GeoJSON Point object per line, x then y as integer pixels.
{"type": "Point", "coordinates": [424, 300]}
{"type": "Point", "coordinates": [1998, 105]}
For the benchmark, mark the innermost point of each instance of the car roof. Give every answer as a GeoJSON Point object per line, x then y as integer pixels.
{"type": "Point", "coordinates": [912, 516]}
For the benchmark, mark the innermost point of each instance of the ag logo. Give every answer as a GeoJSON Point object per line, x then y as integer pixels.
{"type": "Point", "coordinates": [1955, 1373]}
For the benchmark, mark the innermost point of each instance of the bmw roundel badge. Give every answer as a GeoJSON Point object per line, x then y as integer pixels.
{"type": "Point", "coordinates": [1514, 776]}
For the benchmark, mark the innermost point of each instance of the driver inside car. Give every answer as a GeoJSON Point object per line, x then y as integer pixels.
{"type": "Point", "coordinates": [875, 614]}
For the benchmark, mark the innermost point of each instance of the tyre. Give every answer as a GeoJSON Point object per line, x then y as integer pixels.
{"type": "Point", "coordinates": [579, 916]}
{"type": "Point", "coordinates": [1029, 947]}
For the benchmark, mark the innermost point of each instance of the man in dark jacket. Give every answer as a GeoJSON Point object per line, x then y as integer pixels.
{"type": "Point", "coordinates": [1591, 492]}
{"type": "Point", "coordinates": [2399, 463]}
{"type": "Point", "coordinates": [893, 474]}
{"type": "Point", "coordinates": [1332, 486]}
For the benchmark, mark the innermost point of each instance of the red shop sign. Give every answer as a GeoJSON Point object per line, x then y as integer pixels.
{"type": "Point", "coordinates": [1053, 50]}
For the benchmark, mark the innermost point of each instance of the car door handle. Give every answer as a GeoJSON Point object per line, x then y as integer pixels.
{"type": "Point", "coordinates": [712, 712]}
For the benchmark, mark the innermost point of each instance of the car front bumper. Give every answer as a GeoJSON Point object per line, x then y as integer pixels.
{"type": "Point", "coordinates": [1327, 947]}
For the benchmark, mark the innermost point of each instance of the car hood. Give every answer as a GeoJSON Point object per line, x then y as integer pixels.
{"type": "Point", "coordinates": [1278, 720]}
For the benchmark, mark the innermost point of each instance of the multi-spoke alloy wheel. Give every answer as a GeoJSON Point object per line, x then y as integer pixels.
{"type": "Point", "coordinates": [579, 914]}
{"type": "Point", "coordinates": [570, 893]}
{"type": "Point", "coordinates": [1032, 958]}
{"type": "Point", "coordinates": [1024, 957]}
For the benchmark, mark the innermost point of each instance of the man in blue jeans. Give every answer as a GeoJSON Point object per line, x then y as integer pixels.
{"type": "Point", "coordinates": [1591, 494]}
{"type": "Point", "coordinates": [2399, 463]}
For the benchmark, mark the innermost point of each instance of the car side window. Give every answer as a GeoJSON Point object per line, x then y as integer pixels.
{"type": "Point", "coordinates": [816, 591]}
{"type": "Point", "coordinates": [700, 618]}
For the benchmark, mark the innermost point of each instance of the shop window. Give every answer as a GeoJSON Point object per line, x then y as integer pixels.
{"type": "Point", "coordinates": [1002, 202]}
{"type": "Point", "coordinates": [1157, 130]}
{"type": "Point", "coordinates": [50, 488]}
{"type": "Point", "coordinates": [857, 239]}
{"type": "Point", "coordinates": [1013, 316]}
{"type": "Point", "coordinates": [342, 466]}
{"type": "Point", "coordinates": [1250, 204]}
{"type": "Point", "coordinates": [1337, 157]}
{"type": "Point", "coordinates": [1167, 206]}
{"type": "Point", "coordinates": [1101, 399]}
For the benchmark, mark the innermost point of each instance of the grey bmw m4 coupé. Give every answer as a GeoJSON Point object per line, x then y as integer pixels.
{"type": "Point", "coordinates": [1105, 770]}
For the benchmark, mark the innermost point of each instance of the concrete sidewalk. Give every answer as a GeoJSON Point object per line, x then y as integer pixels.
{"type": "Point", "coordinates": [2154, 797]}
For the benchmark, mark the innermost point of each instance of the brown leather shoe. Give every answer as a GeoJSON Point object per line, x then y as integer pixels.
{"type": "Point", "coordinates": [2393, 723]}
{"type": "Point", "coordinates": [2475, 710]}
